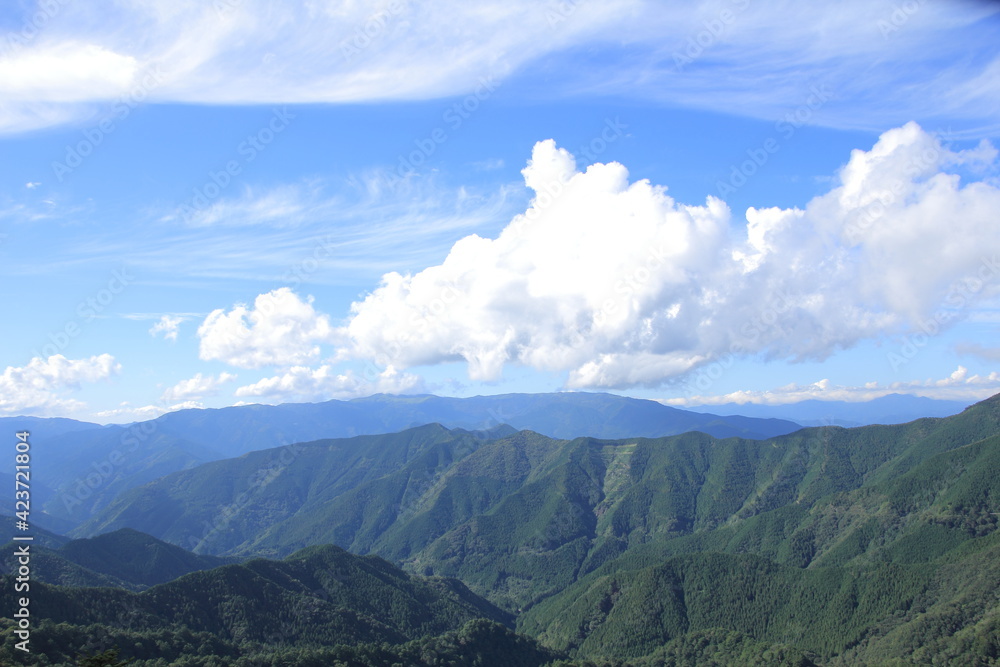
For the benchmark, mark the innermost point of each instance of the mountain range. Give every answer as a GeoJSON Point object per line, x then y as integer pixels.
{"type": "Point", "coordinates": [828, 545]}
{"type": "Point", "coordinates": [81, 467]}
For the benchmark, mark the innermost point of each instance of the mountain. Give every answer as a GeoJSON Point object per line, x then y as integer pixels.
{"type": "Point", "coordinates": [44, 428]}
{"type": "Point", "coordinates": [321, 596]}
{"type": "Point", "coordinates": [42, 537]}
{"type": "Point", "coordinates": [891, 409]}
{"type": "Point", "coordinates": [902, 566]}
{"type": "Point", "coordinates": [566, 415]}
{"type": "Point", "coordinates": [348, 488]}
{"type": "Point", "coordinates": [87, 467]}
{"type": "Point", "coordinates": [125, 559]}
{"type": "Point", "coordinates": [839, 542]}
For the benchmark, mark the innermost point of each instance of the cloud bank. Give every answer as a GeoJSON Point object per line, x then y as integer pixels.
{"type": "Point", "coordinates": [958, 386]}
{"type": "Point", "coordinates": [40, 387]}
{"type": "Point", "coordinates": [280, 329]}
{"type": "Point", "coordinates": [619, 285]}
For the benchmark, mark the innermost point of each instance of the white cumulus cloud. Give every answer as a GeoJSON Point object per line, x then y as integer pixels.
{"type": "Point", "coordinates": [280, 329]}
{"type": "Point", "coordinates": [168, 325]}
{"type": "Point", "coordinates": [40, 386]}
{"type": "Point", "coordinates": [618, 284]}
{"type": "Point", "coordinates": [323, 383]}
{"type": "Point", "coordinates": [197, 387]}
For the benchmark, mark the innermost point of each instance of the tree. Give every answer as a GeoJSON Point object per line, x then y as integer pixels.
{"type": "Point", "coordinates": [108, 658]}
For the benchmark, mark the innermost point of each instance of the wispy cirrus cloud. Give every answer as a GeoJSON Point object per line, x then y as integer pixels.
{"type": "Point", "coordinates": [313, 230]}
{"type": "Point", "coordinates": [885, 64]}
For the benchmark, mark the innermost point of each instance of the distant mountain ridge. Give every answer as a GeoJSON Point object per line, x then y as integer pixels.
{"type": "Point", "coordinates": [891, 409]}
{"type": "Point", "coordinates": [863, 546]}
{"type": "Point", "coordinates": [125, 558]}
{"type": "Point", "coordinates": [85, 466]}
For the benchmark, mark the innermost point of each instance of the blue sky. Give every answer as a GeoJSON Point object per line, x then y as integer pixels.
{"type": "Point", "coordinates": [206, 204]}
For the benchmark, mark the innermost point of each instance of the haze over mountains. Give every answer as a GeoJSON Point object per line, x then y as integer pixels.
{"type": "Point", "coordinates": [891, 409]}
{"type": "Point", "coordinates": [823, 546]}
{"type": "Point", "coordinates": [81, 467]}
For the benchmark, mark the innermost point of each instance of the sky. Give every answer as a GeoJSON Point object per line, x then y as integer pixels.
{"type": "Point", "coordinates": [224, 202]}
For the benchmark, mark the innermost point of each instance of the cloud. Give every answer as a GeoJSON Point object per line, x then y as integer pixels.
{"type": "Point", "coordinates": [307, 384]}
{"type": "Point", "coordinates": [68, 71]}
{"type": "Point", "coordinates": [620, 285]}
{"type": "Point", "coordinates": [885, 63]}
{"type": "Point", "coordinates": [281, 206]}
{"type": "Point", "coordinates": [280, 329]}
{"type": "Point", "coordinates": [168, 325]}
{"type": "Point", "coordinates": [958, 386]}
{"type": "Point", "coordinates": [31, 185]}
{"type": "Point", "coordinates": [40, 386]}
{"type": "Point", "coordinates": [316, 231]}
{"type": "Point", "coordinates": [196, 388]}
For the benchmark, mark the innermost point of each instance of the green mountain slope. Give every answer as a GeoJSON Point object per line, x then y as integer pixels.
{"type": "Point", "coordinates": [521, 517]}
{"type": "Point", "coordinates": [832, 541]}
{"type": "Point", "coordinates": [123, 559]}
{"type": "Point", "coordinates": [318, 596]}
{"type": "Point", "coordinates": [896, 568]}
{"type": "Point", "coordinates": [221, 506]}
{"type": "Point", "coordinates": [87, 465]}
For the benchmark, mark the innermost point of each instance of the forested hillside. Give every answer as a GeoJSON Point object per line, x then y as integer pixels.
{"type": "Point", "coordinates": [85, 466]}
{"type": "Point", "coordinates": [829, 546]}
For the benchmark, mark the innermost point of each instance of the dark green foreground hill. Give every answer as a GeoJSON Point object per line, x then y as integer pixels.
{"type": "Point", "coordinates": [125, 558]}
{"type": "Point", "coordinates": [318, 597]}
